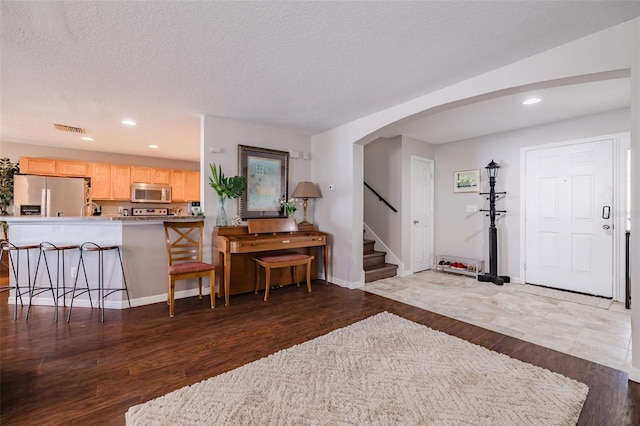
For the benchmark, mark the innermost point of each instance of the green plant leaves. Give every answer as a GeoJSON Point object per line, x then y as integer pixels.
{"type": "Point", "coordinates": [232, 187]}
{"type": "Point", "coordinates": [7, 170]}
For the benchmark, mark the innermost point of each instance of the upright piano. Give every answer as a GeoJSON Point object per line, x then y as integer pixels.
{"type": "Point", "coordinates": [237, 245]}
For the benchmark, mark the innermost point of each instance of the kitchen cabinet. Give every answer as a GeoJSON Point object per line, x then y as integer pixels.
{"type": "Point", "coordinates": [100, 181]}
{"type": "Point", "coordinates": [120, 182]}
{"type": "Point", "coordinates": [141, 174]}
{"type": "Point", "coordinates": [150, 175]}
{"type": "Point", "coordinates": [37, 166]}
{"type": "Point", "coordinates": [72, 168]}
{"type": "Point", "coordinates": [113, 181]}
{"type": "Point", "coordinates": [110, 182]}
{"type": "Point", "coordinates": [51, 167]}
{"type": "Point", "coordinates": [192, 188]}
{"type": "Point", "coordinates": [178, 182]}
{"type": "Point", "coordinates": [161, 176]}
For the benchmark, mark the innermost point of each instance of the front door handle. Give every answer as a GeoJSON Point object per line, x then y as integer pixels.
{"type": "Point", "coordinates": [606, 226]}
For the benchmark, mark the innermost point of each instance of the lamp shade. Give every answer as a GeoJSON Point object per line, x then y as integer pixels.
{"type": "Point", "coordinates": [492, 169]}
{"type": "Point", "coordinates": [306, 190]}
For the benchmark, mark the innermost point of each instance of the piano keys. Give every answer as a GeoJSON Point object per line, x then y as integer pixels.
{"type": "Point", "coordinates": [237, 245]}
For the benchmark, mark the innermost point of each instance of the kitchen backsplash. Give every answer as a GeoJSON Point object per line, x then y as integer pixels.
{"type": "Point", "coordinates": [112, 208]}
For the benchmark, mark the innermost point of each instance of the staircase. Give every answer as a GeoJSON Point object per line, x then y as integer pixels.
{"type": "Point", "coordinates": [374, 265]}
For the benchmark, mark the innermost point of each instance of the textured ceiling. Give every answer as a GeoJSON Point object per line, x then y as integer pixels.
{"type": "Point", "coordinates": [309, 66]}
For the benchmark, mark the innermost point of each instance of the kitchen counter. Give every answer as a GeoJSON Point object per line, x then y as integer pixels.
{"type": "Point", "coordinates": [90, 219]}
{"type": "Point", "coordinates": [142, 241]}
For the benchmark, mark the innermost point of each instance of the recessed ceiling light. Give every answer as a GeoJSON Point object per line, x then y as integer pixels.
{"type": "Point", "coordinates": [86, 138]}
{"type": "Point", "coordinates": [531, 101]}
{"type": "Point", "coordinates": [154, 146]}
{"type": "Point", "coordinates": [128, 122]}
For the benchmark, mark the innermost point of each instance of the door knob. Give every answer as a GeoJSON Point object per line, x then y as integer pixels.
{"type": "Point", "coordinates": [415, 222]}
{"type": "Point", "coordinates": [605, 227]}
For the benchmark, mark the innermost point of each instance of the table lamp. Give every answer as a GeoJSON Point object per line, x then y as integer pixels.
{"type": "Point", "coordinates": [305, 190]}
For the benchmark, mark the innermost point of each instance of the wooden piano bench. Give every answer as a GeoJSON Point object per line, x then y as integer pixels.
{"type": "Point", "coordinates": [285, 260]}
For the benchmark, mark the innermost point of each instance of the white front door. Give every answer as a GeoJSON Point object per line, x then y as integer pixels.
{"type": "Point", "coordinates": [421, 214]}
{"type": "Point", "coordinates": [569, 217]}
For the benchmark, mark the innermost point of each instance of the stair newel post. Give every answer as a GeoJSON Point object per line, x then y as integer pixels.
{"type": "Point", "coordinates": [492, 276]}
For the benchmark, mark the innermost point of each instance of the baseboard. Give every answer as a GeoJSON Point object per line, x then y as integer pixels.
{"type": "Point", "coordinates": [116, 304]}
{"type": "Point", "coordinates": [634, 374]}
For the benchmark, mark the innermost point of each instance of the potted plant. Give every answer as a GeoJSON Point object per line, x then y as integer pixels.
{"type": "Point", "coordinates": [227, 188]}
{"type": "Point", "coordinates": [7, 170]}
{"type": "Point", "coordinates": [289, 207]}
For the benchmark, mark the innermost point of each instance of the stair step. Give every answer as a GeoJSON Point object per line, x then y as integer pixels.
{"type": "Point", "coordinates": [373, 259]}
{"type": "Point", "coordinates": [377, 273]}
{"type": "Point", "coordinates": [367, 246]}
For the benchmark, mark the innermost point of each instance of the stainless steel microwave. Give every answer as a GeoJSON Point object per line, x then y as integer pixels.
{"type": "Point", "coordinates": [150, 193]}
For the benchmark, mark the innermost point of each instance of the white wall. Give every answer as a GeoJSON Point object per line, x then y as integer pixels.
{"type": "Point", "coordinates": [228, 134]}
{"type": "Point", "coordinates": [634, 373]}
{"type": "Point", "coordinates": [383, 172]}
{"type": "Point", "coordinates": [387, 167]}
{"type": "Point", "coordinates": [615, 48]}
{"type": "Point", "coordinates": [466, 234]}
{"type": "Point", "coordinates": [612, 49]}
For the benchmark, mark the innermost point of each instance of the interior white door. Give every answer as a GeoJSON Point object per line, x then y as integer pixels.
{"type": "Point", "coordinates": [421, 214]}
{"type": "Point", "coordinates": [569, 217]}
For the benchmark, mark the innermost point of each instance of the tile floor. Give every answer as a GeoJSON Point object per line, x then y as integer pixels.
{"type": "Point", "coordinates": [587, 327]}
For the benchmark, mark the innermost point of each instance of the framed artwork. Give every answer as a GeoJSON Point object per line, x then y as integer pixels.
{"type": "Point", "coordinates": [466, 181]}
{"type": "Point", "coordinates": [267, 174]}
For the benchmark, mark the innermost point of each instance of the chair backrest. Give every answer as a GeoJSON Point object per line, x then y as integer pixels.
{"type": "Point", "coordinates": [184, 241]}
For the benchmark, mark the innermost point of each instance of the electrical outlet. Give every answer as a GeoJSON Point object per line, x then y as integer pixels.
{"type": "Point", "coordinates": [74, 271]}
{"type": "Point", "coordinates": [120, 210]}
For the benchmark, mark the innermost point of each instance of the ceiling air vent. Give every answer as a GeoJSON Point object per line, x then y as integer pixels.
{"type": "Point", "coordinates": [72, 129]}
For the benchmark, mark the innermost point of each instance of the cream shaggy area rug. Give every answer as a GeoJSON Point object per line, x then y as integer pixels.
{"type": "Point", "coordinates": [383, 370]}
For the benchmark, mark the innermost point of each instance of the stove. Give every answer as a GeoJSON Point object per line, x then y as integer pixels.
{"type": "Point", "coordinates": [153, 211]}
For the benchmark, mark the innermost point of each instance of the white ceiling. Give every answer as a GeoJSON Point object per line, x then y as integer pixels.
{"type": "Point", "coordinates": [308, 66]}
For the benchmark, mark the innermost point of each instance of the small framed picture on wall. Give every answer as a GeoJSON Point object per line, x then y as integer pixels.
{"type": "Point", "coordinates": [466, 181]}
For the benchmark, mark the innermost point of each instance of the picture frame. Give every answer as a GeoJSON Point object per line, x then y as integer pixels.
{"type": "Point", "coordinates": [466, 181]}
{"type": "Point", "coordinates": [267, 175]}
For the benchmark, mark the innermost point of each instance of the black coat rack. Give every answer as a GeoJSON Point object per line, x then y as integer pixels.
{"type": "Point", "coordinates": [492, 276]}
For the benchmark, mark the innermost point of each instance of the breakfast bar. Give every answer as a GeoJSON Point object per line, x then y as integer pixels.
{"type": "Point", "coordinates": [141, 240]}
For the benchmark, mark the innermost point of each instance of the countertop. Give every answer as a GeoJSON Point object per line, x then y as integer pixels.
{"type": "Point", "coordinates": [90, 219]}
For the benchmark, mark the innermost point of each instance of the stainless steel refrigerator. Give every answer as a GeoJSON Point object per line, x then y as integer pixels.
{"type": "Point", "coordinates": [49, 196]}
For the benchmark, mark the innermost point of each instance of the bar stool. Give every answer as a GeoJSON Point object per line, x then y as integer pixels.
{"type": "Point", "coordinates": [46, 247]}
{"type": "Point", "coordinates": [103, 292]}
{"type": "Point", "coordinates": [10, 249]}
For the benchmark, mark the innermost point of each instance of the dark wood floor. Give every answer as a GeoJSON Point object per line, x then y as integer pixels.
{"type": "Point", "coordinates": [87, 372]}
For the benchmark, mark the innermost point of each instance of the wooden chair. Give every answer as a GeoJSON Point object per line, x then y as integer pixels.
{"type": "Point", "coordinates": [184, 252]}
{"type": "Point", "coordinates": [286, 260]}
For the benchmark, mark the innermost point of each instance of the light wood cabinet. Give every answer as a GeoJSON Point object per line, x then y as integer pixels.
{"type": "Point", "coordinates": [72, 168]}
{"type": "Point", "coordinates": [141, 174]}
{"type": "Point", "coordinates": [37, 166]}
{"type": "Point", "coordinates": [113, 181]}
{"type": "Point", "coordinates": [161, 176]}
{"type": "Point", "coordinates": [110, 182]}
{"type": "Point", "coordinates": [150, 175]}
{"type": "Point", "coordinates": [178, 183]}
{"type": "Point", "coordinates": [100, 181]}
{"type": "Point", "coordinates": [120, 182]}
{"type": "Point", "coordinates": [192, 188]}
